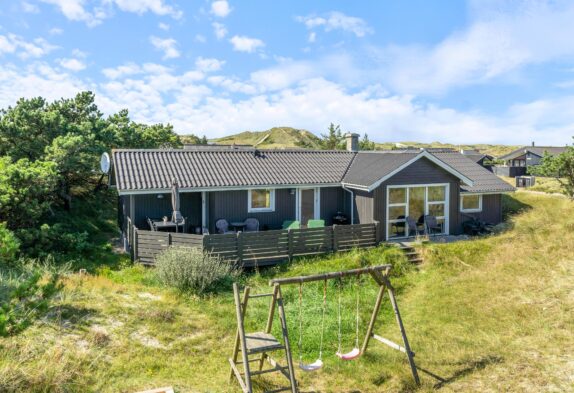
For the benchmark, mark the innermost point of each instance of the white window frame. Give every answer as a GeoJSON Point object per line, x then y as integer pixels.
{"type": "Point", "coordinates": [478, 210]}
{"type": "Point", "coordinates": [446, 203]}
{"type": "Point", "coordinates": [269, 209]}
{"type": "Point", "coordinates": [316, 202]}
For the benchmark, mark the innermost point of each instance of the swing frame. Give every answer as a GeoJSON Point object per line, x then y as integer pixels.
{"type": "Point", "coordinates": [380, 275]}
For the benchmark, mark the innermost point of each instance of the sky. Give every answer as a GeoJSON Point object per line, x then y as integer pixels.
{"type": "Point", "coordinates": [488, 71]}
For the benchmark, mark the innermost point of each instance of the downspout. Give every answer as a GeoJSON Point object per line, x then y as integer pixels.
{"type": "Point", "coordinates": [352, 203]}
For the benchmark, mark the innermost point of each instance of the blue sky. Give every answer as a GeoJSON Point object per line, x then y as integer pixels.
{"type": "Point", "coordinates": [452, 71]}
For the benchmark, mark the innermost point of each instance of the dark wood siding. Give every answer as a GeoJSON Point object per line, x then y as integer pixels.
{"type": "Point", "coordinates": [364, 207]}
{"type": "Point", "coordinates": [149, 205]}
{"type": "Point", "coordinates": [232, 205]}
{"type": "Point", "coordinates": [491, 210]}
{"type": "Point", "coordinates": [422, 171]}
{"type": "Point", "coordinates": [332, 201]}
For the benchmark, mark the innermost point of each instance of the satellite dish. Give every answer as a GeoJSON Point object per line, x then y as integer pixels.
{"type": "Point", "coordinates": [105, 163]}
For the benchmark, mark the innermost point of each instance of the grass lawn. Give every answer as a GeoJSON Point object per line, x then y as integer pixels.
{"type": "Point", "coordinates": [490, 314]}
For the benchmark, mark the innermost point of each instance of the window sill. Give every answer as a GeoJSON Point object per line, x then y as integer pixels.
{"type": "Point", "coordinates": [471, 211]}
{"type": "Point", "coordinates": [265, 210]}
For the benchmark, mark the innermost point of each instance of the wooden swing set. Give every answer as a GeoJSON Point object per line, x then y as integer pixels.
{"type": "Point", "coordinates": [262, 343]}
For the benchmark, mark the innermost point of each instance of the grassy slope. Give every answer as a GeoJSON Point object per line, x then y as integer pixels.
{"type": "Point", "coordinates": [283, 137]}
{"type": "Point", "coordinates": [277, 137]}
{"type": "Point", "coordinates": [493, 314]}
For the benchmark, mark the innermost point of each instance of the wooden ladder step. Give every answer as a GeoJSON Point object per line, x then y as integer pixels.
{"type": "Point", "coordinates": [261, 342]}
{"type": "Point", "coordinates": [270, 370]}
{"type": "Point", "coordinates": [260, 295]}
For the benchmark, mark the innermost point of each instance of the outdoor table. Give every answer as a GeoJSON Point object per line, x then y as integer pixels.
{"type": "Point", "coordinates": [161, 224]}
{"type": "Point", "coordinates": [238, 226]}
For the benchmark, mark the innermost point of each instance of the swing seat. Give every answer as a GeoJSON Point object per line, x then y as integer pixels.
{"type": "Point", "coordinates": [316, 365]}
{"type": "Point", "coordinates": [355, 353]}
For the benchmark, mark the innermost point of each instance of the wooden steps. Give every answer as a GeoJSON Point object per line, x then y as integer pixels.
{"type": "Point", "coordinates": [413, 256]}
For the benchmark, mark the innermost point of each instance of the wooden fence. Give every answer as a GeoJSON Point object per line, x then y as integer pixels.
{"type": "Point", "coordinates": [260, 248]}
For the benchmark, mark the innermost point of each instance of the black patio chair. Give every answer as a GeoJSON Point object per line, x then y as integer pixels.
{"type": "Point", "coordinates": [411, 225]}
{"type": "Point", "coordinates": [222, 226]}
{"type": "Point", "coordinates": [251, 225]}
{"type": "Point", "coordinates": [432, 226]}
{"type": "Point", "coordinates": [150, 223]}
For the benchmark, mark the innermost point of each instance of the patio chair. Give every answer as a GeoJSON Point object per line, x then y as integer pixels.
{"type": "Point", "coordinates": [150, 223]}
{"type": "Point", "coordinates": [222, 226]}
{"type": "Point", "coordinates": [251, 225]}
{"type": "Point", "coordinates": [179, 220]}
{"type": "Point", "coordinates": [411, 225]}
{"type": "Point", "coordinates": [316, 224]}
{"type": "Point", "coordinates": [291, 224]}
{"type": "Point", "coordinates": [432, 225]}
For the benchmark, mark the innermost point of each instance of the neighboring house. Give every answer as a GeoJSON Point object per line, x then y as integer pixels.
{"type": "Point", "coordinates": [517, 162]}
{"type": "Point", "coordinates": [278, 185]}
{"type": "Point", "coordinates": [478, 157]}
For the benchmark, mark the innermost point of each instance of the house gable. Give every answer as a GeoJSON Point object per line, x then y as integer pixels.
{"type": "Point", "coordinates": [356, 181]}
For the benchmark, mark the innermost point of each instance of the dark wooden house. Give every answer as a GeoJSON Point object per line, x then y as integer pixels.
{"type": "Point", "coordinates": [273, 186]}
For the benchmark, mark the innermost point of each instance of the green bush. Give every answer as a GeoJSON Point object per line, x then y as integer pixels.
{"type": "Point", "coordinates": [190, 269]}
{"type": "Point", "coordinates": [9, 245]}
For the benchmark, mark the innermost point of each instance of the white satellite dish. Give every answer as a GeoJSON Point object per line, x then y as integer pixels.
{"type": "Point", "coordinates": [105, 163]}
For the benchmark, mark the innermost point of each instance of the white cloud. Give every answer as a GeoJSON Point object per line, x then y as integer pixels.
{"type": "Point", "coordinates": [154, 93]}
{"type": "Point", "coordinates": [246, 44]}
{"type": "Point", "coordinates": [219, 30]}
{"type": "Point", "coordinates": [167, 45]}
{"type": "Point", "coordinates": [283, 75]}
{"type": "Point", "coordinates": [312, 37]}
{"type": "Point", "coordinates": [200, 38]}
{"type": "Point", "coordinates": [74, 10]}
{"type": "Point", "coordinates": [72, 64]}
{"type": "Point", "coordinates": [130, 69]}
{"type": "Point", "coordinates": [163, 26]}
{"type": "Point", "coordinates": [12, 43]}
{"type": "Point", "coordinates": [335, 20]}
{"type": "Point", "coordinates": [157, 7]}
{"type": "Point", "coordinates": [498, 42]}
{"type": "Point", "coordinates": [208, 64]}
{"type": "Point", "coordinates": [220, 8]}
{"type": "Point", "coordinates": [77, 10]}
{"type": "Point", "coordinates": [30, 8]}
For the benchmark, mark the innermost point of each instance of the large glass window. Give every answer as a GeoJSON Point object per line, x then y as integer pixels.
{"type": "Point", "coordinates": [261, 200]}
{"type": "Point", "coordinates": [415, 202]}
{"type": "Point", "coordinates": [470, 203]}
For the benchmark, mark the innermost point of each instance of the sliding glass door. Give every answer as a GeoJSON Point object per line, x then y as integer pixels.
{"type": "Point", "coordinates": [416, 202]}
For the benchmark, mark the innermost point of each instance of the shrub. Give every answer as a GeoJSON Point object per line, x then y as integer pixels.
{"type": "Point", "coordinates": [190, 269]}
{"type": "Point", "coordinates": [9, 245]}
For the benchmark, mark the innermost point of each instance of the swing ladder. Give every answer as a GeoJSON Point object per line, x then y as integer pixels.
{"type": "Point", "coordinates": [257, 346]}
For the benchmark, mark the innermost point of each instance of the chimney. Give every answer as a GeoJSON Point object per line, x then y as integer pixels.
{"type": "Point", "coordinates": [352, 141]}
{"type": "Point", "coordinates": [532, 143]}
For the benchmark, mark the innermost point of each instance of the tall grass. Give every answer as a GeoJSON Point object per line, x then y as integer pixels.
{"type": "Point", "coordinates": [488, 314]}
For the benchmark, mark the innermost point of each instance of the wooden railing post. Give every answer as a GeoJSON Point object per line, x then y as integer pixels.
{"type": "Point", "coordinates": [169, 239]}
{"type": "Point", "coordinates": [239, 248]}
{"type": "Point", "coordinates": [290, 244]}
{"type": "Point", "coordinates": [135, 247]}
{"type": "Point", "coordinates": [335, 239]}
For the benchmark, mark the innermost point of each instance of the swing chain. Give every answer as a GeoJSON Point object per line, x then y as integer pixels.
{"type": "Point", "coordinates": [300, 343]}
{"type": "Point", "coordinates": [357, 316]}
{"type": "Point", "coordinates": [339, 314]}
{"type": "Point", "coordinates": [323, 319]}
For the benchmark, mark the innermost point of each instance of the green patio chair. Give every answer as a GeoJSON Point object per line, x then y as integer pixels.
{"type": "Point", "coordinates": [316, 224]}
{"type": "Point", "coordinates": [291, 225]}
